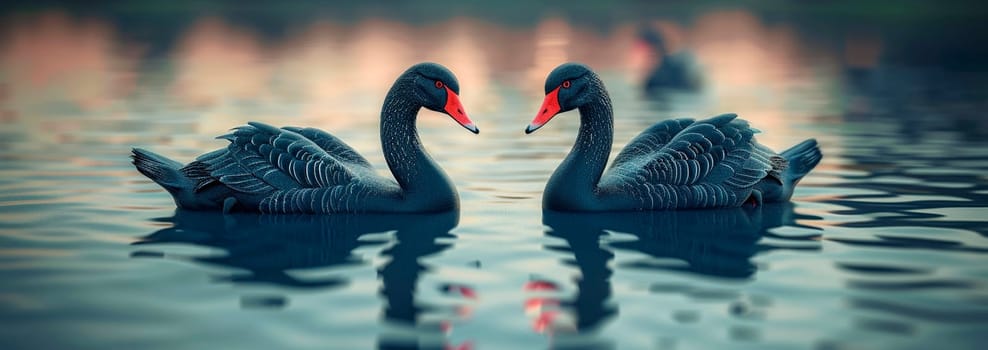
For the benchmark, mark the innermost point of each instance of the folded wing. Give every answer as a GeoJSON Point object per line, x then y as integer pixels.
{"type": "Point", "coordinates": [717, 151]}
{"type": "Point", "coordinates": [262, 159]}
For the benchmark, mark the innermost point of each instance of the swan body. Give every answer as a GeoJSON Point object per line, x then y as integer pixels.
{"type": "Point", "coordinates": [675, 164]}
{"type": "Point", "coordinates": [676, 70]}
{"type": "Point", "coordinates": [305, 170]}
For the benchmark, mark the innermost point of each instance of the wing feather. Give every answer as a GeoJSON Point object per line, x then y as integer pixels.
{"type": "Point", "coordinates": [262, 159]}
{"type": "Point", "coordinates": [332, 145]}
{"type": "Point", "coordinates": [652, 139]}
{"type": "Point", "coordinates": [682, 152]}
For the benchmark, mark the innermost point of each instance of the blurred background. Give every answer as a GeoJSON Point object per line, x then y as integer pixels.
{"type": "Point", "coordinates": [310, 57]}
{"type": "Point", "coordinates": [883, 246]}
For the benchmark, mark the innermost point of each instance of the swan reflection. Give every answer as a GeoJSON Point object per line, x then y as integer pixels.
{"type": "Point", "coordinates": [266, 249]}
{"type": "Point", "coordinates": [719, 243]}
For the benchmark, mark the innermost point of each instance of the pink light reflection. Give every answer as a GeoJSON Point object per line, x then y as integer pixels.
{"type": "Point", "coordinates": [52, 57]}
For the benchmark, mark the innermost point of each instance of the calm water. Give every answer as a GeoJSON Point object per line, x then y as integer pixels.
{"type": "Point", "coordinates": [883, 246]}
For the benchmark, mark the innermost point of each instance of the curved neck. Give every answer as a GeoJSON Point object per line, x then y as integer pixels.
{"type": "Point", "coordinates": [413, 168]}
{"type": "Point", "coordinates": [580, 172]}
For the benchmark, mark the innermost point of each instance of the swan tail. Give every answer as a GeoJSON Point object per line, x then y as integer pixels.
{"type": "Point", "coordinates": [161, 170]}
{"type": "Point", "coordinates": [167, 173]}
{"type": "Point", "coordinates": [802, 158]}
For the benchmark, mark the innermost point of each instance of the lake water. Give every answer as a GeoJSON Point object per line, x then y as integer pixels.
{"type": "Point", "coordinates": [883, 246]}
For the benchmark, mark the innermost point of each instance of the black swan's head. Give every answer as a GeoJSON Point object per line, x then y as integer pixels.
{"type": "Point", "coordinates": [436, 88]}
{"type": "Point", "coordinates": [653, 38]}
{"type": "Point", "coordinates": [569, 86]}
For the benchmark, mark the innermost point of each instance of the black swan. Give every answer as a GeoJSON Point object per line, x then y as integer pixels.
{"type": "Point", "coordinates": [305, 170]}
{"type": "Point", "coordinates": [675, 164]}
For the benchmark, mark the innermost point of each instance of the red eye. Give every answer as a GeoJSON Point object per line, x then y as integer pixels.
{"type": "Point", "coordinates": [566, 84]}
{"type": "Point", "coordinates": [439, 84]}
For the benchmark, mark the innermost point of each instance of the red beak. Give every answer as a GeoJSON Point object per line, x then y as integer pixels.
{"type": "Point", "coordinates": [550, 107]}
{"type": "Point", "coordinates": [455, 109]}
